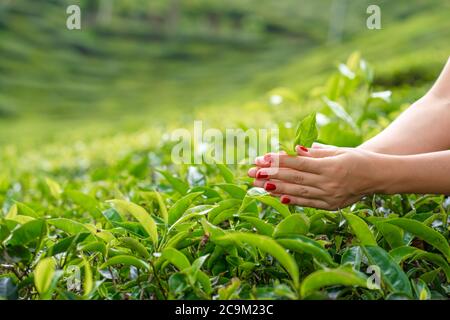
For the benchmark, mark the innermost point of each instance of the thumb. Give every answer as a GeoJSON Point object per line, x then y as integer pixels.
{"type": "Point", "coordinates": [317, 152]}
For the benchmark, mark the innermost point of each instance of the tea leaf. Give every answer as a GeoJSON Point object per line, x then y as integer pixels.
{"type": "Point", "coordinates": [274, 203]}
{"type": "Point", "coordinates": [391, 273]}
{"type": "Point", "coordinates": [292, 225]}
{"type": "Point", "coordinates": [54, 187]}
{"type": "Point", "coordinates": [176, 258]}
{"type": "Point", "coordinates": [305, 245]}
{"type": "Point", "coordinates": [269, 246]}
{"type": "Point", "coordinates": [178, 184]}
{"type": "Point", "coordinates": [28, 232]}
{"type": "Point", "coordinates": [179, 208]}
{"type": "Point", "coordinates": [141, 215]}
{"type": "Point", "coordinates": [360, 229]}
{"type": "Point", "coordinates": [43, 275]}
{"type": "Point", "coordinates": [306, 132]}
{"type": "Point", "coordinates": [127, 261]}
{"type": "Point", "coordinates": [136, 246]}
{"type": "Point", "coordinates": [226, 173]}
{"type": "Point", "coordinates": [263, 227]}
{"type": "Point", "coordinates": [423, 232]}
{"type": "Point", "coordinates": [331, 277]}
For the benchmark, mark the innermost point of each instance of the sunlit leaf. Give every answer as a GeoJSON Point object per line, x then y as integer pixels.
{"type": "Point", "coordinates": [269, 246]}
{"type": "Point", "coordinates": [141, 215]}
{"type": "Point", "coordinates": [332, 277]}
{"type": "Point", "coordinates": [43, 275]}
{"type": "Point", "coordinates": [423, 232]}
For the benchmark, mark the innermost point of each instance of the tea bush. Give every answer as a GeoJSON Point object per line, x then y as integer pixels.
{"type": "Point", "coordinates": [115, 219]}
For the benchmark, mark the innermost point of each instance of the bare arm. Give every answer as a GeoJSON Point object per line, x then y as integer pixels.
{"type": "Point", "coordinates": [421, 173]}
{"type": "Point", "coordinates": [424, 127]}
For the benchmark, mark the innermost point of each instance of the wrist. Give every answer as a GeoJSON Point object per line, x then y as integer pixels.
{"type": "Point", "coordinates": [387, 174]}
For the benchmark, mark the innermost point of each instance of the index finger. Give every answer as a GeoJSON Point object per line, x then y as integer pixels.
{"type": "Point", "coordinates": [306, 164]}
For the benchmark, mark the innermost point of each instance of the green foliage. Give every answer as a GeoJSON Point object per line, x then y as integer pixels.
{"type": "Point", "coordinates": [203, 231]}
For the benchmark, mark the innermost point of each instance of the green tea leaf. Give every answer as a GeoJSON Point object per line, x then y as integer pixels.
{"type": "Point", "coordinates": [305, 245]}
{"type": "Point", "coordinates": [26, 210]}
{"type": "Point", "coordinates": [341, 113]}
{"type": "Point", "coordinates": [162, 207]}
{"type": "Point", "coordinates": [69, 226]}
{"type": "Point", "coordinates": [178, 184]}
{"type": "Point", "coordinates": [88, 283]}
{"type": "Point", "coordinates": [332, 277]}
{"type": "Point", "coordinates": [180, 207]}
{"type": "Point", "coordinates": [28, 232]}
{"type": "Point", "coordinates": [392, 234]}
{"type": "Point", "coordinates": [360, 229]}
{"type": "Point", "coordinates": [136, 246]}
{"type": "Point", "coordinates": [12, 212]}
{"type": "Point", "coordinates": [306, 132]}
{"type": "Point", "coordinates": [269, 246]}
{"type": "Point", "coordinates": [222, 206]}
{"type": "Point", "coordinates": [391, 273]}
{"type": "Point", "coordinates": [401, 254]}
{"type": "Point", "coordinates": [64, 244]}
{"type": "Point", "coordinates": [141, 215]}
{"type": "Point", "coordinates": [54, 187]}
{"type": "Point", "coordinates": [233, 190]}
{"type": "Point", "coordinates": [224, 215]}
{"type": "Point", "coordinates": [292, 225]}
{"type": "Point", "coordinates": [423, 232]}
{"type": "Point", "coordinates": [226, 173]}
{"type": "Point", "coordinates": [263, 227]}
{"type": "Point", "coordinates": [43, 275]}
{"type": "Point", "coordinates": [175, 257]}
{"type": "Point", "coordinates": [127, 261]}
{"type": "Point", "coordinates": [85, 201]}
{"type": "Point", "coordinates": [274, 203]}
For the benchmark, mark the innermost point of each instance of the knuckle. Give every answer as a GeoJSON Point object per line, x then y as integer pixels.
{"type": "Point", "coordinates": [298, 178]}
{"type": "Point", "coordinates": [300, 163]}
{"type": "Point", "coordinates": [303, 192]}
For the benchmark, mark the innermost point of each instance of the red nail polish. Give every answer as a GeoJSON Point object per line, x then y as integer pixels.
{"type": "Point", "coordinates": [285, 200]}
{"type": "Point", "coordinates": [270, 186]}
{"type": "Point", "coordinates": [262, 175]}
{"type": "Point", "coordinates": [304, 148]}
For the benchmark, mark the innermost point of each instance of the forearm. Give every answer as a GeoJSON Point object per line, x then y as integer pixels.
{"type": "Point", "coordinates": [420, 129]}
{"type": "Point", "coordinates": [423, 174]}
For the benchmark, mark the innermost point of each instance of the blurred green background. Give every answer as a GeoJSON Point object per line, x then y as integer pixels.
{"type": "Point", "coordinates": [155, 64]}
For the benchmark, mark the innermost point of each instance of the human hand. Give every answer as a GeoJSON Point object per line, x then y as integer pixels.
{"type": "Point", "coordinates": [326, 178]}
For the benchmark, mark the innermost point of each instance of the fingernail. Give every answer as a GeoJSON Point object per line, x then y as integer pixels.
{"type": "Point", "coordinates": [268, 158]}
{"type": "Point", "coordinates": [262, 175]}
{"type": "Point", "coordinates": [285, 200]}
{"type": "Point", "coordinates": [303, 148]}
{"type": "Point", "coordinates": [270, 186]}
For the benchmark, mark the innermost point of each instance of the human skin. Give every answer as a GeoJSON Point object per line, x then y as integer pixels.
{"type": "Point", "coordinates": [410, 156]}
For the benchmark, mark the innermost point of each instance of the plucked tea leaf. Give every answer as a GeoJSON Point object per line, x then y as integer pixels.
{"type": "Point", "coordinates": [306, 132]}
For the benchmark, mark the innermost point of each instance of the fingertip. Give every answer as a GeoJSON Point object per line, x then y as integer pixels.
{"type": "Point", "coordinates": [262, 161]}
{"type": "Point", "coordinates": [252, 172]}
{"type": "Point", "coordinates": [285, 199]}
{"type": "Point", "coordinates": [301, 150]}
